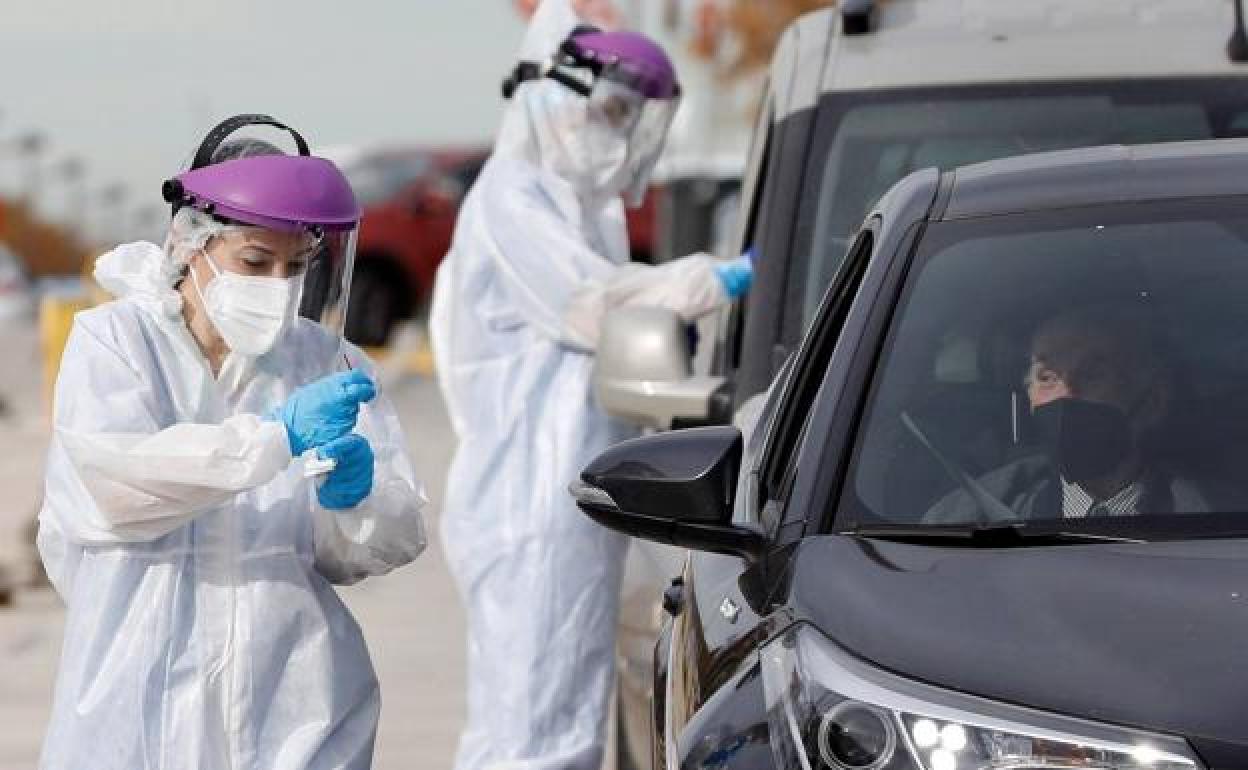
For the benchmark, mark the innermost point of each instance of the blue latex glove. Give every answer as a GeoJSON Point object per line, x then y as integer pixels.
{"type": "Point", "coordinates": [324, 410]}
{"type": "Point", "coordinates": [352, 479]}
{"type": "Point", "coordinates": [736, 275]}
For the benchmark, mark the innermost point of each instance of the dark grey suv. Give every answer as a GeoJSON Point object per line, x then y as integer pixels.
{"type": "Point", "coordinates": [993, 513]}
{"type": "Point", "coordinates": [854, 104]}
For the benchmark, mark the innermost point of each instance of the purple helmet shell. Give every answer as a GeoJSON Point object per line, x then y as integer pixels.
{"type": "Point", "coordinates": [644, 60]}
{"type": "Point", "coordinates": [278, 192]}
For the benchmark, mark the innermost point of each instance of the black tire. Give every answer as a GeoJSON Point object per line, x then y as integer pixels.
{"type": "Point", "coordinates": [376, 306]}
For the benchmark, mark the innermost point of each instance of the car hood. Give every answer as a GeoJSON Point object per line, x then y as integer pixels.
{"type": "Point", "coordinates": [1149, 635]}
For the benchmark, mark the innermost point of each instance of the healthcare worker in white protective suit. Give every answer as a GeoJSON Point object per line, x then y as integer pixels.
{"type": "Point", "coordinates": [193, 550]}
{"type": "Point", "coordinates": [540, 255]}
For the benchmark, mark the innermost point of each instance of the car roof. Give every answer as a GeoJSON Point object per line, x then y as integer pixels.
{"type": "Point", "coordinates": [917, 43]}
{"type": "Point", "coordinates": [1096, 176]}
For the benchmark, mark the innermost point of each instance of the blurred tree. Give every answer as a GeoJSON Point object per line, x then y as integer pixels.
{"type": "Point", "coordinates": [44, 248]}
{"type": "Point", "coordinates": [737, 35]}
{"type": "Point", "coordinates": [742, 34]}
{"type": "Point", "coordinates": [603, 13]}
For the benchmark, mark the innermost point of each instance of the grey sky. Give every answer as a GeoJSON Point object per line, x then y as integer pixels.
{"type": "Point", "coordinates": [131, 85]}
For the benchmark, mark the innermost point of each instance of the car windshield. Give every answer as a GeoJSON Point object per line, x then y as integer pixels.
{"type": "Point", "coordinates": [865, 142]}
{"type": "Point", "coordinates": [1085, 366]}
{"type": "Point", "coordinates": [380, 178]}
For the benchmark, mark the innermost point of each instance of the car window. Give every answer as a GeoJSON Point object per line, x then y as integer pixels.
{"type": "Point", "coordinates": [466, 172]}
{"type": "Point", "coordinates": [867, 141]}
{"type": "Point", "coordinates": [743, 221]}
{"type": "Point", "coordinates": [380, 178]}
{"type": "Point", "coordinates": [1069, 365]}
{"type": "Point", "coordinates": [759, 158]}
{"type": "Point", "coordinates": [785, 432]}
{"type": "Point", "coordinates": [754, 419]}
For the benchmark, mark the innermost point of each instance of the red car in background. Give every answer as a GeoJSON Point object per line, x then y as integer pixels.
{"type": "Point", "coordinates": [410, 199]}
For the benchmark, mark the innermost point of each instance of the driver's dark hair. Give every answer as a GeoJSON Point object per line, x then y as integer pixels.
{"type": "Point", "coordinates": [1114, 344]}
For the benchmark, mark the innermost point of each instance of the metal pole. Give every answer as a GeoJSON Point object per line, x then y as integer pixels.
{"type": "Point", "coordinates": [112, 198]}
{"type": "Point", "coordinates": [147, 221]}
{"type": "Point", "coordinates": [1237, 46]}
{"type": "Point", "coordinates": [1, 154]}
{"type": "Point", "coordinates": [75, 173]}
{"type": "Point", "coordinates": [29, 146]}
{"type": "Point", "coordinates": [70, 171]}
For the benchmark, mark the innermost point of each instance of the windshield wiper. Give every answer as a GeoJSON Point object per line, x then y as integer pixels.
{"type": "Point", "coordinates": [987, 536]}
{"type": "Point", "coordinates": [994, 510]}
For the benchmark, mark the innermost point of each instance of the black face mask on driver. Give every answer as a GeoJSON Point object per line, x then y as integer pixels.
{"type": "Point", "coordinates": [1085, 439]}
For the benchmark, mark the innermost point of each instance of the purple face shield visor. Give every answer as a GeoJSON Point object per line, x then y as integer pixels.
{"type": "Point", "coordinates": [277, 192]}
{"type": "Point", "coordinates": [287, 194]}
{"type": "Point", "coordinates": [625, 58]}
{"type": "Point", "coordinates": [631, 89]}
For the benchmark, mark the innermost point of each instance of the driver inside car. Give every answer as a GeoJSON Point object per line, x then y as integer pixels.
{"type": "Point", "coordinates": [1099, 391]}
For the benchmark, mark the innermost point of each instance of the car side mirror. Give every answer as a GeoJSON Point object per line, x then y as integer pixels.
{"type": "Point", "coordinates": [644, 369]}
{"type": "Point", "coordinates": [676, 487]}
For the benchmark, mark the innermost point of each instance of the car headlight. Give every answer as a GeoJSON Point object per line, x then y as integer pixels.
{"type": "Point", "coordinates": [828, 710]}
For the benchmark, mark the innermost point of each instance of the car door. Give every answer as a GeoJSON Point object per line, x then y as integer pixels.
{"type": "Point", "coordinates": [751, 355]}
{"type": "Point", "coordinates": [721, 606]}
{"type": "Point", "coordinates": [649, 566]}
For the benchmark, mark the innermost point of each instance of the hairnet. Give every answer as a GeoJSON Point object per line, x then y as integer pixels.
{"type": "Point", "coordinates": [190, 229]}
{"type": "Point", "coordinates": [244, 147]}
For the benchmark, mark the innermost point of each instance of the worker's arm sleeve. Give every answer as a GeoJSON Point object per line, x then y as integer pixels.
{"type": "Point", "coordinates": [387, 529]}
{"type": "Point", "coordinates": [116, 475]}
{"type": "Point", "coordinates": [688, 287]}
{"type": "Point", "coordinates": [563, 288]}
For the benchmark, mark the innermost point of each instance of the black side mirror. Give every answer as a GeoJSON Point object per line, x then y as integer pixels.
{"type": "Point", "coordinates": [675, 487]}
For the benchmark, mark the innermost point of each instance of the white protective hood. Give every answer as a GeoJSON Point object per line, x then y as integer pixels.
{"type": "Point", "coordinates": [519, 301]}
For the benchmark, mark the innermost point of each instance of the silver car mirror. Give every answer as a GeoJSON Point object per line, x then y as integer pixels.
{"type": "Point", "coordinates": [644, 369]}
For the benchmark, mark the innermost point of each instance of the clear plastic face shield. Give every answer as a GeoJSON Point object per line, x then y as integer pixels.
{"type": "Point", "coordinates": [327, 280]}
{"type": "Point", "coordinates": [278, 233]}
{"type": "Point", "coordinates": [629, 120]}
{"type": "Point", "coordinates": [247, 268]}
{"type": "Point", "coordinates": [630, 99]}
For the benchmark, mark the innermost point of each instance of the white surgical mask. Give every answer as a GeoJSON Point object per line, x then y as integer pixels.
{"type": "Point", "coordinates": [250, 312]}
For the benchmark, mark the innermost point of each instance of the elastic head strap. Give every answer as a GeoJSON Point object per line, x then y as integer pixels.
{"type": "Point", "coordinates": [222, 131]}
{"type": "Point", "coordinates": [569, 53]}
{"type": "Point", "coordinates": [529, 70]}
{"type": "Point", "coordinates": [172, 190]}
{"type": "Point", "coordinates": [524, 71]}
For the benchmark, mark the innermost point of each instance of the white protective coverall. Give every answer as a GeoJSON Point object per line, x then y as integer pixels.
{"type": "Point", "coordinates": [536, 262]}
{"type": "Point", "coordinates": [193, 556]}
